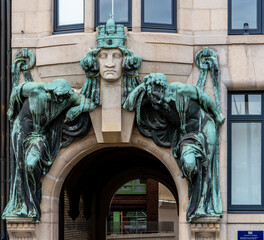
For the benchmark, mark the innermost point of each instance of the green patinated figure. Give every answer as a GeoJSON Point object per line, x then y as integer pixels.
{"type": "Point", "coordinates": [47, 116]}
{"type": "Point", "coordinates": [44, 117]}
{"type": "Point", "coordinates": [183, 117]}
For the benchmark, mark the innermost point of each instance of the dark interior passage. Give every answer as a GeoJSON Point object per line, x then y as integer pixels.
{"type": "Point", "coordinates": [91, 185]}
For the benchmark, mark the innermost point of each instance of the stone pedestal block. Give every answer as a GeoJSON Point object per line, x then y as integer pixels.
{"type": "Point", "coordinates": [205, 229]}
{"type": "Point", "coordinates": [111, 123]}
{"type": "Point", "coordinates": [21, 228]}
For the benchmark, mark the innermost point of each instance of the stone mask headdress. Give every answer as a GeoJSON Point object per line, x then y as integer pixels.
{"type": "Point", "coordinates": [110, 35]}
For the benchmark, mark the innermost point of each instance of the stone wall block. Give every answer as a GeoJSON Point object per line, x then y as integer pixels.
{"type": "Point", "coordinates": [18, 23]}
{"type": "Point", "coordinates": [44, 5]}
{"type": "Point", "coordinates": [209, 4]}
{"type": "Point", "coordinates": [201, 20]}
{"type": "Point", "coordinates": [127, 125]}
{"type": "Point", "coordinates": [219, 19]}
{"type": "Point", "coordinates": [61, 70]}
{"type": "Point", "coordinates": [156, 37]}
{"type": "Point", "coordinates": [206, 38]}
{"type": "Point", "coordinates": [258, 63]}
{"type": "Point", "coordinates": [45, 23]}
{"type": "Point", "coordinates": [24, 6]}
{"type": "Point", "coordinates": [31, 22]}
{"type": "Point", "coordinates": [136, 13]}
{"type": "Point", "coordinates": [185, 4]}
{"type": "Point", "coordinates": [89, 16]}
{"type": "Point", "coordinates": [184, 231]}
{"type": "Point", "coordinates": [165, 52]}
{"type": "Point", "coordinates": [224, 198]}
{"type": "Point", "coordinates": [60, 54]}
{"type": "Point", "coordinates": [225, 79]}
{"type": "Point", "coordinates": [241, 67]}
{"type": "Point", "coordinates": [166, 68]}
{"type": "Point", "coordinates": [184, 19]}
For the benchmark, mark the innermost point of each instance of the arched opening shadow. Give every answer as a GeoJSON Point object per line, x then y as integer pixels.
{"type": "Point", "coordinates": [92, 183]}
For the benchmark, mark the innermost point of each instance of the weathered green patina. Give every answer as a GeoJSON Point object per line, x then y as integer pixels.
{"type": "Point", "coordinates": [183, 117]}
{"type": "Point", "coordinates": [110, 35]}
{"type": "Point", "coordinates": [47, 116]}
{"type": "Point", "coordinates": [44, 117]}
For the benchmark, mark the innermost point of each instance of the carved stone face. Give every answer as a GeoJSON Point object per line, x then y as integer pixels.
{"type": "Point", "coordinates": [110, 64]}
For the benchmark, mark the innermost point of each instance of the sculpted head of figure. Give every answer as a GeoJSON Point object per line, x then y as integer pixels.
{"type": "Point", "coordinates": [126, 61]}
{"type": "Point", "coordinates": [110, 63]}
{"type": "Point", "coordinates": [60, 90]}
{"type": "Point", "coordinates": [156, 86]}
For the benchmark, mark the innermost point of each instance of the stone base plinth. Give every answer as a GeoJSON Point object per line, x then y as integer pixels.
{"type": "Point", "coordinates": [21, 228]}
{"type": "Point", "coordinates": [205, 228]}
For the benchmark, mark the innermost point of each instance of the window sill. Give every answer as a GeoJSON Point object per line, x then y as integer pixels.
{"type": "Point", "coordinates": [245, 39]}
{"type": "Point", "coordinates": [249, 217]}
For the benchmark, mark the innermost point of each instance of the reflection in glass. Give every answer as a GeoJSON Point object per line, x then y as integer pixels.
{"type": "Point", "coordinates": [244, 104]}
{"type": "Point", "coordinates": [244, 11]}
{"type": "Point", "coordinates": [140, 188]}
{"type": "Point", "coordinates": [118, 8]}
{"type": "Point", "coordinates": [246, 164]}
{"type": "Point", "coordinates": [70, 12]}
{"type": "Point", "coordinates": [157, 11]}
{"type": "Point", "coordinates": [126, 188]}
{"type": "Point", "coordinates": [137, 181]}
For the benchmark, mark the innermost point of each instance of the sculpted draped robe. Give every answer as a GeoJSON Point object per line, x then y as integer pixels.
{"type": "Point", "coordinates": [38, 132]}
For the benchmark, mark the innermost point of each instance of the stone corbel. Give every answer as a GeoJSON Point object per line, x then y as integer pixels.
{"type": "Point", "coordinates": [111, 123]}
{"type": "Point", "coordinates": [205, 228]}
{"type": "Point", "coordinates": [21, 228]}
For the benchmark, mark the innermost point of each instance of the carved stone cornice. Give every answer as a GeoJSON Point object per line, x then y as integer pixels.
{"type": "Point", "coordinates": [21, 228]}
{"type": "Point", "coordinates": [207, 228]}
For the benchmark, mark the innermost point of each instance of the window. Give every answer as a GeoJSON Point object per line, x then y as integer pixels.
{"type": "Point", "coordinates": [245, 155]}
{"type": "Point", "coordinates": [245, 17]}
{"type": "Point", "coordinates": [127, 222]}
{"type": "Point", "coordinates": [133, 187]}
{"type": "Point", "coordinates": [158, 15]}
{"type": "Point", "coordinates": [120, 9]}
{"type": "Point", "coordinates": [68, 16]}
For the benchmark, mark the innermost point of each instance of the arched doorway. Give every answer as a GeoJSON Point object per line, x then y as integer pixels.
{"type": "Point", "coordinates": [143, 206]}
{"type": "Point", "coordinates": [92, 183]}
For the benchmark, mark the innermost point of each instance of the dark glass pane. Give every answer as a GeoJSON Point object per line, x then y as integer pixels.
{"type": "Point", "coordinates": [118, 8]}
{"type": "Point", "coordinates": [244, 11]}
{"type": "Point", "coordinates": [70, 12]}
{"type": "Point", "coordinates": [126, 188]}
{"type": "Point", "coordinates": [158, 11]}
{"type": "Point", "coordinates": [246, 164]}
{"type": "Point", "coordinates": [246, 104]}
{"type": "Point", "coordinates": [121, 10]}
{"type": "Point", "coordinates": [137, 181]}
{"type": "Point", "coordinates": [140, 188]}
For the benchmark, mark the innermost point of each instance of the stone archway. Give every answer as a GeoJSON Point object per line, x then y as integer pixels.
{"type": "Point", "coordinates": [72, 155]}
{"type": "Point", "coordinates": [99, 175]}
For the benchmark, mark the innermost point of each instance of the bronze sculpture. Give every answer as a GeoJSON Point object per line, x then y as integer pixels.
{"type": "Point", "coordinates": [44, 117]}
{"type": "Point", "coordinates": [183, 117]}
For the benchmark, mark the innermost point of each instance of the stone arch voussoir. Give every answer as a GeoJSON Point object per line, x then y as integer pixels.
{"type": "Point", "coordinates": [70, 156]}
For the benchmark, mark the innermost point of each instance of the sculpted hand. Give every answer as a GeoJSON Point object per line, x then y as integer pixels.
{"type": "Point", "coordinates": [220, 119]}
{"type": "Point", "coordinates": [72, 114]}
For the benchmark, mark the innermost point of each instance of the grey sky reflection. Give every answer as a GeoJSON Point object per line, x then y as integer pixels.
{"type": "Point", "coordinates": [158, 11]}
{"type": "Point", "coordinates": [120, 10]}
{"type": "Point", "coordinates": [244, 11]}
